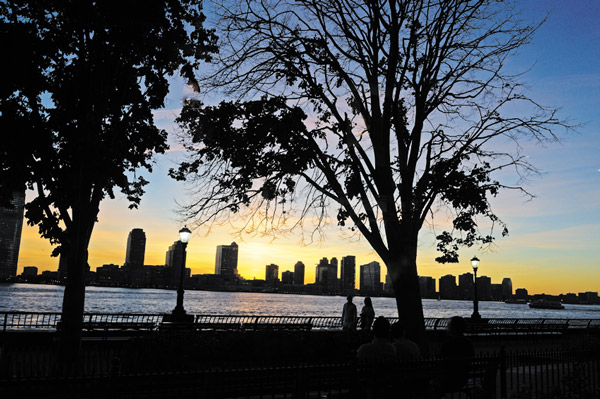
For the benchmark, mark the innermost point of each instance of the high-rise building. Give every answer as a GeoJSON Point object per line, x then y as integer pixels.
{"type": "Point", "coordinates": [427, 286]}
{"type": "Point", "coordinates": [174, 259]}
{"type": "Point", "coordinates": [287, 277]}
{"type": "Point", "coordinates": [226, 260]}
{"type": "Point", "coordinates": [11, 225]}
{"type": "Point", "coordinates": [370, 277]}
{"type": "Point", "coordinates": [465, 286]}
{"type": "Point", "coordinates": [507, 290]}
{"type": "Point", "coordinates": [496, 291]}
{"type": "Point", "coordinates": [136, 248]}
{"type": "Point", "coordinates": [322, 272]}
{"type": "Point", "coordinates": [348, 273]}
{"type": "Point", "coordinates": [332, 276]}
{"type": "Point", "coordinates": [448, 289]}
{"type": "Point", "coordinates": [484, 288]}
{"type": "Point", "coordinates": [299, 273]}
{"type": "Point", "coordinates": [272, 273]}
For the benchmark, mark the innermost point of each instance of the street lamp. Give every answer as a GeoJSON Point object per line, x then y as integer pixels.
{"type": "Point", "coordinates": [475, 264]}
{"type": "Point", "coordinates": [179, 314]}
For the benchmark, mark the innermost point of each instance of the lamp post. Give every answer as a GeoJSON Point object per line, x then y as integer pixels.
{"type": "Point", "coordinates": [475, 264]}
{"type": "Point", "coordinates": [179, 314]}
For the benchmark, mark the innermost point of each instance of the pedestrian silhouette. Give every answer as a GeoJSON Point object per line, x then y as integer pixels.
{"type": "Point", "coordinates": [367, 315]}
{"type": "Point", "coordinates": [349, 315]}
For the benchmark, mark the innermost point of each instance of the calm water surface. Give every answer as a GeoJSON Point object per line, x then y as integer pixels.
{"type": "Point", "coordinates": [48, 298]}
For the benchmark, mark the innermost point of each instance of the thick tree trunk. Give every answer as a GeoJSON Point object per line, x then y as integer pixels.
{"type": "Point", "coordinates": [403, 272]}
{"type": "Point", "coordinates": [73, 300]}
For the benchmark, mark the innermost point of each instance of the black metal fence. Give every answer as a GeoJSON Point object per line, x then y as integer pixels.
{"type": "Point", "coordinates": [20, 321]}
{"type": "Point", "coordinates": [550, 373]}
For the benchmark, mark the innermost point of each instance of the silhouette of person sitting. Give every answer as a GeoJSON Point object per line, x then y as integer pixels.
{"type": "Point", "coordinates": [374, 357]}
{"type": "Point", "coordinates": [406, 350]}
{"type": "Point", "coordinates": [379, 350]}
{"type": "Point", "coordinates": [457, 354]}
{"type": "Point", "coordinates": [367, 314]}
{"type": "Point", "coordinates": [349, 315]}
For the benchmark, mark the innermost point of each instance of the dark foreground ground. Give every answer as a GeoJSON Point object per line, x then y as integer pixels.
{"type": "Point", "coordinates": [294, 364]}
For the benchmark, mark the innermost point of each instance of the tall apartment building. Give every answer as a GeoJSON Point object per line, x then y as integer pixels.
{"type": "Point", "coordinates": [11, 225]}
{"type": "Point", "coordinates": [484, 288]}
{"type": "Point", "coordinates": [427, 286]}
{"type": "Point", "coordinates": [287, 277]}
{"type": "Point", "coordinates": [465, 286]}
{"type": "Point", "coordinates": [507, 289]}
{"type": "Point", "coordinates": [271, 273]}
{"type": "Point", "coordinates": [322, 272]}
{"type": "Point", "coordinates": [299, 273]}
{"type": "Point", "coordinates": [370, 277]}
{"type": "Point", "coordinates": [136, 248]}
{"type": "Point", "coordinates": [348, 273]}
{"type": "Point", "coordinates": [174, 258]}
{"type": "Point", "coordinates": [447, 287]}
{"type": "Point", "coordinates": [226, 260]}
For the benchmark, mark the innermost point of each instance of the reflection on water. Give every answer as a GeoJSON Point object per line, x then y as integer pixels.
{"type": "Point", "coordinates": [48, 298]}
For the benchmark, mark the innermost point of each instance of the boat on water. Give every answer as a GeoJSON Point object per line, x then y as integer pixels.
{"type": "Point", "coordinates": [516, 301]}
{"type": "Point", "coordinates": [546, 304]}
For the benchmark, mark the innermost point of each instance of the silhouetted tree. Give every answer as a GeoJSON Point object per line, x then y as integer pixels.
{"type": "Point", "coordinates": [389, 110]}
{"type": "Point", "coordinates": [76, 105]}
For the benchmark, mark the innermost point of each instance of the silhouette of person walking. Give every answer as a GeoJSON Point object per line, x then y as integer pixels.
{"type": "Point", "coordinates": [349, 315]}
{"type": "Point", "coordinates": [367, 315]}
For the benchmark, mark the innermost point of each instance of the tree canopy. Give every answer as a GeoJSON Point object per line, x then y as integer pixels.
{"type": "Point", "coordinates": [387, 110]}
{"type": "Point", "coordinates": [76, 109]}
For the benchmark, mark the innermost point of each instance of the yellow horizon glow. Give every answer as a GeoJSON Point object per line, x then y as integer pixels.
{"type": "Point", "coordinates": [109, 246]}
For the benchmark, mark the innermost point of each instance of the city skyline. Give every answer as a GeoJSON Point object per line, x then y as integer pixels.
{"type": "Point", "coordinates": [553, 241]}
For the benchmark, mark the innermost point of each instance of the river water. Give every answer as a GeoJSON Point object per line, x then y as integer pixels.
{"type": "Point", "coordinates": [48, 298]}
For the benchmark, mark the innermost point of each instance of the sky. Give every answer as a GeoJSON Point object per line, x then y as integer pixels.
{"type": "Point", "coordinates": [554, 241]}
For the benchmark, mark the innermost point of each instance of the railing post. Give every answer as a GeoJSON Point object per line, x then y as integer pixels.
{"type": "Point", "coordinates": [502, 372]}
{"type": "Point", "coordinates": [5, 321]}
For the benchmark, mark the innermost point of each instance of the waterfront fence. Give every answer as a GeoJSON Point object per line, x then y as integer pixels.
{"type": "Point", "coordinates": [50, 321]}
{"type": "Point", "coordinates": [548, 373]}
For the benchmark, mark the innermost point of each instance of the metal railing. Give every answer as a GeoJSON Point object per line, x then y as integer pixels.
{"type": "Point", "coordinates": [519, 373]}
{"type": "Point", "coordinates": [21, 321]}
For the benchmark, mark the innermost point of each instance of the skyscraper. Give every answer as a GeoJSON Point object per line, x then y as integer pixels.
{"type": "Point", "coordinates": [226, 260]}
{"type": "Point", "coordinates": [174, 258]}
{"type": "Point", "coordinates": [287, 277]}
{"type": "Point", "coordinates": [11, 225]}
{"type": "Point", "coordinates": [322, 271]}
{"type": "Point", "coordinates": [271, 273]}
{"type": "Point", "coordinates": [427, 286]}
{"type": "Point", "coordinates": [484, 288]}
{"type": "Point", "coordinates": [465, 286]}
{"type": "Point", "coordinates": [507, 290]}
{"type": "Point", "coordinates": [447, 287]}
{"type": "Point", "coordinates": [136, 248]}
{"type": "Point", "coordinates": [348, 273]}
{"type": "Point", "coordinates": [299, 273]}
{"type": "Point", "coordinates": [370, 277]}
